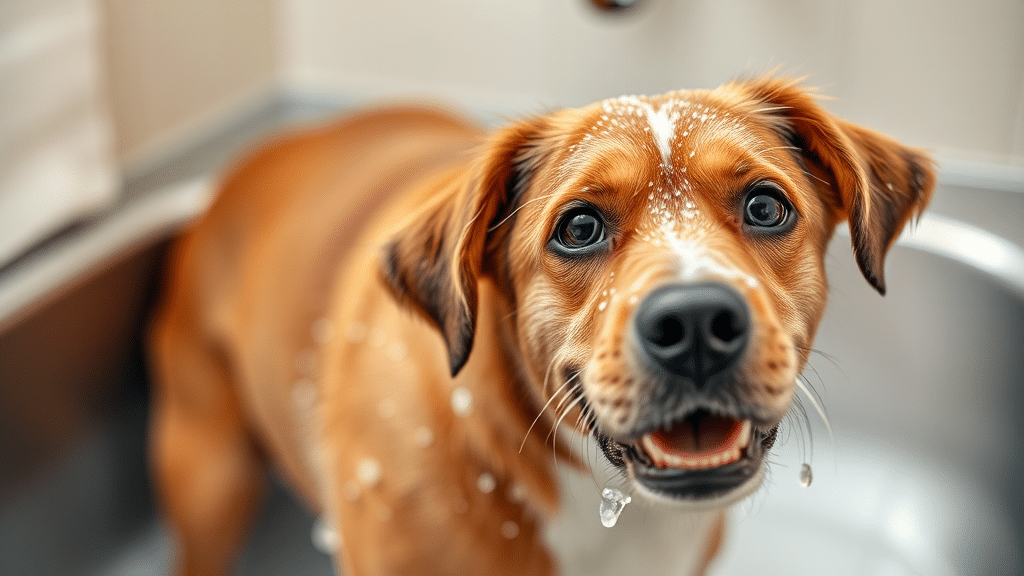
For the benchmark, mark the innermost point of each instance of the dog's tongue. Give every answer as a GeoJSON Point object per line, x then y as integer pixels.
{"type": "Point", "coordinates": [702, 440]}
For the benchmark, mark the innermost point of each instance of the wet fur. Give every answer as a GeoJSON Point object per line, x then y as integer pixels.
{"type": "Point", "coordinates": [421, 242]}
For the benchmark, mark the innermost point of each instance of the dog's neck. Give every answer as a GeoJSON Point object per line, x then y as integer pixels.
{"type": "Point", "coordinates": [517, 435]}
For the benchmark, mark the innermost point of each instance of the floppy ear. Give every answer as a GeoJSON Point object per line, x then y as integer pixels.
{"type": "Point", "coordinates": [879, 184]}
{"type": "Point", "coordinates": [432, 264]}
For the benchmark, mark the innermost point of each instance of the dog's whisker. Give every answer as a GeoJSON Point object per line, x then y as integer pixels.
{"type": "Point", "coordinates": [565, 398]}
{"type": "Point", "coordinates": [810, 387]}
{"type": "Point", "coordinates": [554, 430]}
{"type": "Point", "coordinates": [817, 407]}
{"type": "Point", "coordinates": [553, 436]}
{"type": "Point", "coordinates": [513, 213]}
{"type": "Point", "coordinates": [816, 374]}
{"type": "Point", "coordinates": [774, 108]}
{"type": "Point", "coordinates": [541, 413]}
{"type": "Point", "coordinates": [547, 374]}
{"type": "Point", "coordinates": [810, 175]}
{"type": "Point", "coordinates": [825, 355]}
{"type": "Point", "coordinates": [561, 413]}
{"type": "Point", "coordinates": [760, 153]}
{"type": "Point", "coordinates": [800, 422]}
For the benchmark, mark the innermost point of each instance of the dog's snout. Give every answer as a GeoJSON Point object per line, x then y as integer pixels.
{"type": "Point", "coordinates": [693, 330]}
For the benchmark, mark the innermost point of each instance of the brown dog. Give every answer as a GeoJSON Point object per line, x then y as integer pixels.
{"type": "Point", "coordinates": [407, 317]}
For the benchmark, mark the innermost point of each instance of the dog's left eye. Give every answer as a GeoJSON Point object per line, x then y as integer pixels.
{"type": "Point", "coordinates": [765, 207]}
{"type": "Point", "coordinates": [579, 231]}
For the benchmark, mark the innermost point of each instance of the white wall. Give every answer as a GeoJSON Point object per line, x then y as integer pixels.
{"type": "Point", "coordinates": [938, 73]}
{"type": "Point", "coordinates": [56, 152]}
{"type": "Point", "coordinates": [160, 75]}
{"type": "Point", "coordinates": [180, 68]}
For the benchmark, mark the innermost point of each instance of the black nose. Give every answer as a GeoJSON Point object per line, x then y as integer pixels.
{"type": "Point", "coordinates": [694, 331]}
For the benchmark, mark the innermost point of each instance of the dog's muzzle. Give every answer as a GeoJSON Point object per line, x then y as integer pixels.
{"type": "Point", "coordinates": [692, 438]}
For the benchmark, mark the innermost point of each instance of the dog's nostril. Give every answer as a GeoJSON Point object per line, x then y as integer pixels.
{"type": "Point", "coordinates": [693, 330]}
{"type": "Point", "coordinates": [667, 332]}
{"type": "Point", "coordinates": [725, 326]}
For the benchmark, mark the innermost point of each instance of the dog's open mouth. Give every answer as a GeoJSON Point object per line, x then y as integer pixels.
{"type": "Point", "coordinates": [698, 442]}
{"type": "Point", "coordinates": [701, 457]}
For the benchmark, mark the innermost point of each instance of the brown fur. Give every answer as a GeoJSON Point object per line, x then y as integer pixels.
{"type": "Point", "coordinates": [285, 335]}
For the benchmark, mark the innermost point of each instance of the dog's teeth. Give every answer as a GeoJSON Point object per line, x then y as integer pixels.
{"type": "Point", "coordinates": [663, 459]}
{"type": "Point", "coordinates": [744, 439]}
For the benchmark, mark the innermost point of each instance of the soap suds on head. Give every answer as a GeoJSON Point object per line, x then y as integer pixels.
{"type": "Point", "coordinates": [673, 217]}
{"type": "Point", "coordinates": [663, 126]}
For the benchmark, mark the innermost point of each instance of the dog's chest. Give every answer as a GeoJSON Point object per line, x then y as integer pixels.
{"type": "Point", "coordinates": [647, 539]}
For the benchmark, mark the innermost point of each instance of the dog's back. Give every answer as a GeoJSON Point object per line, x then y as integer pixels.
{"type": "Point", "coordinates": [248, 281]}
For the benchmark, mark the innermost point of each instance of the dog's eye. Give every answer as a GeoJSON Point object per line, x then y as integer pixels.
{"type": "Point", "coordinates": [765, 207]}
{"type": "Point", "coordinates": [581, 230]}
{"type": "Point", "coordinates": [578, 231]}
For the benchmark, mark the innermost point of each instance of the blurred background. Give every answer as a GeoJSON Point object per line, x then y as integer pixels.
{"type": "Point", "coordinates": [118, 116]}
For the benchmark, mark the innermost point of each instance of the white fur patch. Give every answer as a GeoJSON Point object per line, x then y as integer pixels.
{"type": "Point", "coordinates": [663, 127]}
{"type": "Point", "coordinates": [698, 263]}
{"type": "Point", "coordinates": [648, 538]}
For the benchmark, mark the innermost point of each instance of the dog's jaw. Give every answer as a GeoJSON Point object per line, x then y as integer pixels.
{"type": "Point", "coordinates": [724, 500]}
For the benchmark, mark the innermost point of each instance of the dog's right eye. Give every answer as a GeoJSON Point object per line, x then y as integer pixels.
{"type": "Point", "coordinates": [579, 232]}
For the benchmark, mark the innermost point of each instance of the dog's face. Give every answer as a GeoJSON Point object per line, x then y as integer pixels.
{"type": "Point", "coordinates": [674, 259]}
{"type": "Point", "coordinates": [662, 260]}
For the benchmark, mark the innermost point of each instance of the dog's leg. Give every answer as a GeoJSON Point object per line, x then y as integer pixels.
{"type": "Point", "coordinates": [209, 474]}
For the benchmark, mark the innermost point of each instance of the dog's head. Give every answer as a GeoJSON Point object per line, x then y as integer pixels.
{"type": "Point", "coordinates": [663, 260]}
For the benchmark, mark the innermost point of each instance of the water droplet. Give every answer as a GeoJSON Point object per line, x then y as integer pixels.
{"type": "Point", "coordinates": [423, 436]}
{"type": "Point", "coordinates": [368, 471]}
{"type": "Point", "coordinates": [509, 529]}
{"type": "Point", "coordinates": [486, 483]}
{"type": "Point", "coordinates": [806, 476]}
{"type": "Point", "coordinates": [612, 503]}
{"type": "Point", "coordinates": [324, 536]}
{"type": "Point", "coordinates": [462, 401]}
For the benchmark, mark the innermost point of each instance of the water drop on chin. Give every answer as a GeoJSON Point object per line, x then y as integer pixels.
{"type": "Point", "coordinates": [612, 503]}
{"type": "Point", "coordinates": [806, 476]}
